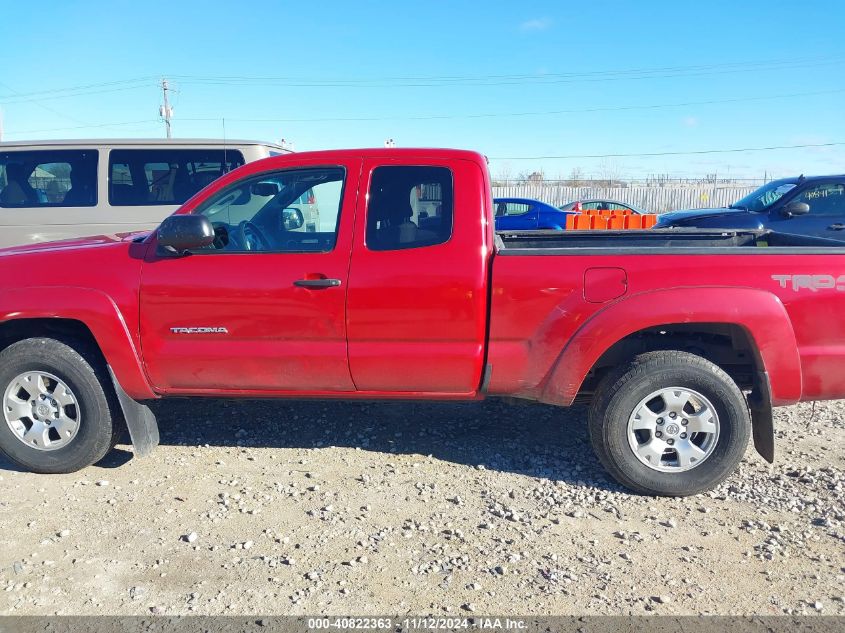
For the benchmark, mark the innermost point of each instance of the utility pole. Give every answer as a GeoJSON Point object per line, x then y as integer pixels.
{"type": "Point", "coordinates": [165, 111]}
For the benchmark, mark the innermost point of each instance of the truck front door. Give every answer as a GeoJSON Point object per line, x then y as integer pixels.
{"type": "Point", "coordinates": [263, 308]}
{"type": "Point", "coordinates": [826, 217]}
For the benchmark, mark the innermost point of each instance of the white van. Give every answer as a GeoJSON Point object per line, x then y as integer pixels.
{"type": "Point", "coordinates": [51, 190]}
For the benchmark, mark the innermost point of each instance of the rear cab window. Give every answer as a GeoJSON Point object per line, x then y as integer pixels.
{"type": "Point", "coordinates": [48, 178]}
{"type": "Point", "coordinates": [409, 207]}
{"type": "Point", "coordinates": [140, 177]}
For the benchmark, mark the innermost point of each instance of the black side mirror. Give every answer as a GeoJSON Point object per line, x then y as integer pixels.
{"type": "Point", "coordinates": [795, 208]}
{"type": "Point", "coordinates": [292, 219]}
{"type": "Point", "coordinates": [180, 233]}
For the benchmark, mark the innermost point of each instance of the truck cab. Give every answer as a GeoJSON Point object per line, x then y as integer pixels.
{"type": "Point", "coordinates": [342, 309]}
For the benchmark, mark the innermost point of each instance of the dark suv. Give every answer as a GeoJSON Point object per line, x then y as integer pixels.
{"type": "Point", "coordinates": [813, 205]}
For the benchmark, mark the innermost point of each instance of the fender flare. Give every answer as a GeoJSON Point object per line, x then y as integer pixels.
{"type": "Point", "coordinates": [760, 313]}
{"type": "Point", "coordinates": [99, 313]}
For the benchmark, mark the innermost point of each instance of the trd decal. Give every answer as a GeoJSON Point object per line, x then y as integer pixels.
{"type": "Point", "coordinates": [814, 283]}
{"type": "Point", "coordinates": [199, 330]}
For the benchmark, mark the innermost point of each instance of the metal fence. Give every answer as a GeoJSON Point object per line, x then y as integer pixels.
{"type": "Point", "coordinates": [653, 199]}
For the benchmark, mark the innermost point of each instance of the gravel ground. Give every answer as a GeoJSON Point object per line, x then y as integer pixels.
{"type": "Point", "coordinates": [337, 508]}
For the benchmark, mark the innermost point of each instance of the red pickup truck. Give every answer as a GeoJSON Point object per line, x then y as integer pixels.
{"type": "Point", "coordinates": [682, 341]}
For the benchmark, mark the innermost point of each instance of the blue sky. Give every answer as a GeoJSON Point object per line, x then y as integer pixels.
{"type": "Point", "coordinates": [422, 73]}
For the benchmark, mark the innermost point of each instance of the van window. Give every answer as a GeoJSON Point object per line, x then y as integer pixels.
{"type": "Point", "coordinates": [48, 178]}
{"type": "Point", "coordinates": [140, 177]}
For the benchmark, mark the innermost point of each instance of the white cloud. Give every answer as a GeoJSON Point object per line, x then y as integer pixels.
{"type": "Point", "coordinates": [535, 24]}
{"type": "Point", "coordinates": [690, 121]}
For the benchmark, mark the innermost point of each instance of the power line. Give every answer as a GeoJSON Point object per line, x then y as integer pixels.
{"type": "Point", "coordinates": [776, 62]}
{"type": "Point", "coordinates": [683, 153]}
{"type": "Point", "coordinates": [144, 81]}
{"type": "Point", "coordinates": [105, 84]}
{"type": "Point", "coordinates": [426, 81]}
{"type": "Point", "coordinates": [44, 107]}
{"type": "Point", "coordinates": [497, 80]}
{"type": "Point", "coordinates": [433, 117]}
{"type": "Point", "coordinates": [426, 117]}
{"type": "Point", "coordinates": [83, 127]}
{"type": "Point", "coordinates": [582, 74]}
{"type": "Point", "coordinates": [71, 96]}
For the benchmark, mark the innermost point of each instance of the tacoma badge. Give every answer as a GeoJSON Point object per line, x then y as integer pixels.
{"type": "Point", "coordinates": [199, 330]}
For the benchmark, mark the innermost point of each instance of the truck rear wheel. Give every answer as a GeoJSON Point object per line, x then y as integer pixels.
{"type": "Point", "coordinates": [669, 423]}
{"type": "Point", "coordinates": [57, 412]}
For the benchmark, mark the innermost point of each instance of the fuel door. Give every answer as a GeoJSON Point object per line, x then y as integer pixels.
{"type": "Point", "coordinates": [604, 284]}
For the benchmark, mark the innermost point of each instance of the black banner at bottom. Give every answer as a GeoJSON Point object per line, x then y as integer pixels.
{"type": "Point", "coordinates": [402, 623]}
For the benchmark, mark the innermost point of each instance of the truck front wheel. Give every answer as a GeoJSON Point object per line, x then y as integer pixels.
{"type": "Point", "coordinates": [669, 423]}
{"type": "Point", "coordinates": [57, 414]}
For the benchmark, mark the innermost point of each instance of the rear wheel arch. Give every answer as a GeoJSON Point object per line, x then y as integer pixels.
{"type": "Point", "coordinates": [730, 346]}
{"type": "Point", "coordinates": [755, 319]}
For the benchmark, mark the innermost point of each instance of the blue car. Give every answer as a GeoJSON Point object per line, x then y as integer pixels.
{"type": "Point", "coordinates": [524, 214]}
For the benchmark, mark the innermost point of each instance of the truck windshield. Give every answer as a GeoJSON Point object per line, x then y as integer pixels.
{"type": "Point", "coordinates": [765, 196]}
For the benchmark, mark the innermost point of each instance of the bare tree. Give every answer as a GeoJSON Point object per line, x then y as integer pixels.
{"type": "Point", "coordinates": [610, 172]}
{"type": "Point", "coordinates": [504, 177]}
{"type": "Point", "coordinates": [534, 177]}
{"type": "Point", "coordinates": [576, 178]}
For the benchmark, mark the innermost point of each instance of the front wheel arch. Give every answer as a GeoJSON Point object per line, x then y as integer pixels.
{"type": "Point", "coordinates": [34, 307]}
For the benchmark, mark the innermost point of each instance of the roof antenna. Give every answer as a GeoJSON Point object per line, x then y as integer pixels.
{"type": "Point", "coordinates": [225, 162]}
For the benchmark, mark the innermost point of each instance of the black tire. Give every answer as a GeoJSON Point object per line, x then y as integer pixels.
{"type": "Point", "coordinates": [80, 369]}
{"type": "Point", "coordinates": [623, 389]}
